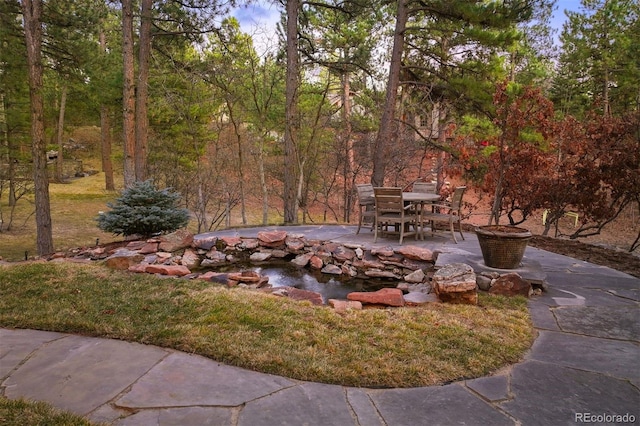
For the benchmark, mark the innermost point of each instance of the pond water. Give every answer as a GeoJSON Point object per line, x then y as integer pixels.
{"type": "Point", "coordinates": [284, 274]}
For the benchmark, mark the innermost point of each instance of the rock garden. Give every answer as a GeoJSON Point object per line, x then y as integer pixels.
{"type": "Point", "coordinates": [408, 272]}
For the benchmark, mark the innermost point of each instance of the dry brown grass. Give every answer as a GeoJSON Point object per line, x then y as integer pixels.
{"type": "Point", "coordinates": [74, 207]}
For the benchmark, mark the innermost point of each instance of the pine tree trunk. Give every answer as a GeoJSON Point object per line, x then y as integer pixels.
{"type": "Point", "coordinates": [386, 133]}
{"type": "Point", "coordinates": [128, 94]}
{"type": "Point", "coordinates": [32, 11]}
{"type": "Point", "coordinates": [105, 145]}
{"type": "Point", "coordinates": [105, 133]}
{"type": "Point", "coordinates": [8, 157]}
{"type": "Point", "coordinates": [60, 134]}
{"type": "Point", "coordinates": [349, 161]}
{"type": "Point", "coordinates": [142, 92]}
{"type": "Point", "coordinates": [291, 114]}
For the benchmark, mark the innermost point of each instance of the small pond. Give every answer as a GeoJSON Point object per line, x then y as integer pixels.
{"type": "Point", "coordinates": [285, 274]}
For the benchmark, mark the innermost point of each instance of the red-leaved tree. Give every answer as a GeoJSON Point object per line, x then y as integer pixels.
{"type": "Point", "coordinates": [530, 160]}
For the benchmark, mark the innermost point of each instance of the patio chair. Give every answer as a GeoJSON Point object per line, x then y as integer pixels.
{"type": "Point", "coordinates": [426, 187]}
{"type": "Point", "coordinates": [429, 187]}
{"type": "Point", "coordinates": [366, 203]}
{"type": "Point", "coordinates": [447, 213]}
{"type": "Point", "coordinates": [392, 211]}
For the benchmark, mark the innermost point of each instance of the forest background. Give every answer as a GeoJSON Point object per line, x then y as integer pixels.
{"type": "Point", "coordinates": [386, 92]}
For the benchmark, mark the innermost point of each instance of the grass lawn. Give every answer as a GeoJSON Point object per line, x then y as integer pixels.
{"type": "Point", "coordinates": [74, 207]}
{"type": "Point", "coordinates": [21, 413]}
{"type": "Point", "coordinates": [400, 347]}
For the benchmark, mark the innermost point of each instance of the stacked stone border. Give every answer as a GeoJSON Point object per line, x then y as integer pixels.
{"type": "Point", "coordinates": [182, 254]}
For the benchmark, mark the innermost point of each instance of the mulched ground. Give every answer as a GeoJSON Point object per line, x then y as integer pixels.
{"type": "Point", "coordinates": [618, 260]}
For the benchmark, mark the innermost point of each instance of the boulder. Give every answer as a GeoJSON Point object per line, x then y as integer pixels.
{"type": "Point", "coordinates": [138, 267]}
{"type": "Point", "coordinates": [216, 277]}
{"type": "Point", "coordinates": [370, 260]}
{"type": "Point", "coordinates": [511, 284]}
{"type": "Point", "coordinates": [302, 260]}
{"type": "Point", "coordinates": [332, 269]}
{"type": "Point", "coordinates": [204, 241]}
{"type": "Point", "coordinates": [417, 276]}
{"type": "Point", "coordinates": [122, 259]}
{"type": "Point", "coordinates": [349, 270]}
{"type": "Point", "coordinates": [280, 254]}
{"type": "Point", "coordinates": [171, 270]}
{"type": "Point", "coordinates": [384, 297]}
{"type": "Point", "coordinates": [251, 277]}
{"type": "Point", "coordinates": [149, 248]}
{"type": "Point", "coordinates": [315, 262]}
{"type": "Point", "coordinates": [294, 245]}
{"type": "Point", "coordinates": [163, 256]}
{"type": "Point", "coordinates": [484, 282]}
{"type": "Point", "coordinates": [260, 256]}
{"type": "Point", "coordinates": [343, 254]}
{"type": "Point", "coordinates": [272, 238]}
{"type": "Point", "coordinates": [377, 273]}
{"type": "Point", "coordinates": [177, 240]}
{"type": "Point", "coordinates": [135, 245]}
{"type": "Point", "coordinates": [231, 242]}
{"type": "Point", "coordinates": [296, 294]}
{"type": "Point", "coordinates": [216, 256]}
{"type": "Point", "coordinates": [190, 259]}
{"type": "Point", "coordinates": [250, 243]}
{"type": "Point", "coordinates": [382, 251]}
{"type": "Point", "coordinates": [456, 283]}
{"type": "Point", "coordinates": [415, 253]}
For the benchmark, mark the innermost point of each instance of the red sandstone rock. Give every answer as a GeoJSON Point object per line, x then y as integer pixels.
{"type": "Point", "coordinates": [207, 275]}
{"type": "Point", "coordinates": [135, 245]}
{"type": "Point", "coordinates": [250, 243]}
{"type": "Point", "coordinates": [138, 267]}
{"type": "Point", "coordinates": [302, 260]}
{"type": "Point", "coordinates": [370, 261]}
{"type": "Point", "coordinates": [149, 248]}
{"type": "Point", "coordinates": [383, 251]}
{"type": "Point", "coordinates": [456, 283]}
{"type": "Point", "coordinates": [272, 238]}
{"type": "Point", "coordinates": [294, 244]}
{"type": "Point", "coordinates": [190, 258]}
{"type": "Point", "coordinates": [231, 241]}
{"type": "Point", "coordinates": [123, 259]}
{"type": "Point", "coordinates": [296, 294]}
{"type": "Point", "coordinates": [415, 253]}
{"type": "Point", "coordinates": [511, 284]}
{"type": "Point", "coordinates": [204, 241]}
{"type": "Point", "coordinates": [175, 241]}
{"type": "Point", "coordinates": [342, 254]}
{"type": "Point", "coordinates": [315, 262]}
{"type": "Point", "coordinates": [173, 270]}
{"type": "Point", "coordinates": [385, 296]}
{"type": "Point", "coordinates": [245, 277]}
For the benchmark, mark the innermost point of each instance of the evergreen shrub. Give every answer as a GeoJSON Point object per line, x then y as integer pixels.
{"type": "Point", "coordinates": [144, 210]}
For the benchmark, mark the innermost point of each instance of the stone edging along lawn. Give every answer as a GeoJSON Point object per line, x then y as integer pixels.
{"type": "Point", "coordinates": [410, 268]}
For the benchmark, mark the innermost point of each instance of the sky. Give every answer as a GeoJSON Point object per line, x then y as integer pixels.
{"type": "Point", "coordinates": [259, 20]}
{"type": "Point", "coordinates": [559, 16]}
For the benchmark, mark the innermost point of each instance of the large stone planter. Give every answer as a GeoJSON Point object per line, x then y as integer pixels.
{"type": "Point", "coordinates": [502, 246]}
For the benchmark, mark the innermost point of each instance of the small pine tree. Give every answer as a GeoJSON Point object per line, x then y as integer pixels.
{"type": "Point", "coordinates": [144, 210]}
